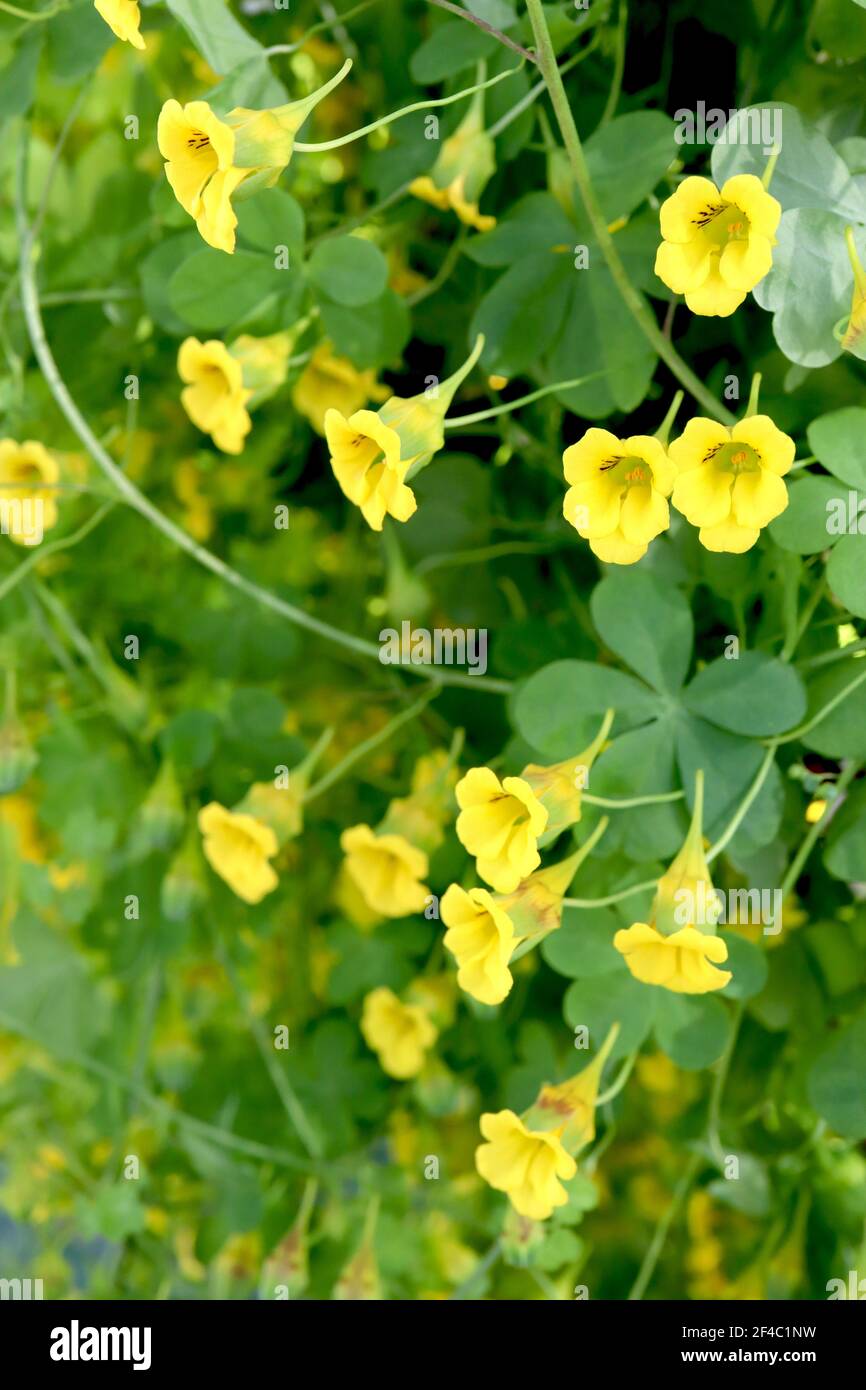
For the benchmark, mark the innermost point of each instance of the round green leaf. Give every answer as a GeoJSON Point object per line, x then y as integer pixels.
{"type": "Point", "coordinates": [583, 945]}
{"type": "Point", "coordinates": [838, 440]}
{"type": "Point", "coordinates": [751, 694]}
{"type": "Point", "coordinates": [599, 1002]}
{"type": "Point", "coordinates": [559, 709]}
{"type": "Point", "coordinates": [349, 270]}
{"type": "Point", "coordinates": [272, 219]}
{"type": "Point", "coordinates": [648, 624]}
{"type": "Point", "coordinates": [846, 573]}
{"type": "Point", "coordinates": [842, 732]}
{"type": "Point", "coordinates": [692, 1030]}
{"type": "Point", "coordinates": [836, 1081]}
{"type": "Point", "coordinates": [803, 525]}
{"type": "Point", "coordinates": [212, 290]}
{"type": "Point", "coordinates": [748, 966]}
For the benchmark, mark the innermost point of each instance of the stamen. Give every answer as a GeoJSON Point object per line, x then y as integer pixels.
{"type": "Point", "coordinates": [609, 463]}
{"type": "Point", "coordinates": [707, 214]}
{"type": "Point", "coordinates": [198, 140]}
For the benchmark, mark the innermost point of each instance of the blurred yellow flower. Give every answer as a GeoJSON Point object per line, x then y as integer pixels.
{"type": "Point", "coordinates": [328, 383]}
{"type": "Point", "coordinates": [462, 170]}
{"type": "Point", "coordinates": [481, 937]}
{"type": "Point", "coordinates": [214, 397]}
{"type": "Point", "coordinates": [527, 1165]}
{"type": "Point", "coordinates": [500, 823]}
{"type": "Point", "coordinates": [716, 246]}
{"type": "Point", "coordinates": [123, 17]}
{"type": "Point", "coordinates": [729, 481]}
{"type": "Point", "coordinates": [238, 848]}
{"type": "Point", "coordinates": [28, 478]}
{"type": "Point", "coordinates": [387, 870]}
{"type": "Point", "coordinates": [618, 497]}
{"type": "Point", "coordinates": [400, 1034]}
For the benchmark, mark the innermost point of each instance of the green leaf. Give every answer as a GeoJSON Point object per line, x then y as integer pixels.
{"type": "Point", "coordinates": [802, 526]}
{"type": "Point", "coordinates": [808, 174]}
{"type": "Point", "coordinates": [217, 35]}
{"type": "Point", "coordinates": [846, 573]}
{"type": "Point", "coordinates": [535, 224]}
{"type": "Point", "coordinates": [648, 624]}
{"type": "Point", "coordinates": [451, 47]}
{"type": "Point", "coordinates": [372, 335]}
{"type": "Point", "coordinates": [836, 1081]}
{"type": "Point", "coordinates": [559, 709]}
{"type": "Point", "coordinates": [583, 945]}
{"type": "Point", "coordinates": [599, 336]}
{"type": "Point", "coordinates": [271, 219]}
{"type": "Point", "coordinates": [752, 694]}
{"type": "Point", "coordinates": [78, 40]}
{"type": "Point", "coordinates": [810, 285]}
{"type": "Point", "coordinates": [693, 1030]}
{"type": "Point", "coordinates": [842, 732]}
{"type": "Point", "coordinates": [637, 763]}
{"type": "Point", "coordinates": [845, 854]}
{"type": "Point", "coordinates": [628, 157]}
{"type": "Point", "coordinates": [18, 76]}
{"type": "Point", "coordinates": [838, 440]}
{"type": "Point", "coordinates": [729, 764]}
{"type": "Point", "coordinates": [599, 1002]}
{"type": "Point", "coordinates": [212, 290]}
{"type": "Point", "coordinates": [349, 270]}
{"type": "Point", "coordinates": [522, 314]}
{"type": "Point", "coordinates": [748, 966]}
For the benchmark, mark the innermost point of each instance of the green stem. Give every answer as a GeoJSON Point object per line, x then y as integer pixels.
{"type": "Point", "coordinates": [618, 67]}
{"type": "Point", "coordinates": [612, 803]}
{"type": "Point", "coordinates": [613, 898]}
{"type": "Point", "coordinates": [458, 421]}
{"type": "Point", "coordinates": [745, 805]}
{"type": "Point", "coordinates": [371, 743]}
{"type": "Point", "coordinates": [485, 27]}
{"type": "Point", "coordinates": [796, 866]}
{"type": "Point", "coordinates": [51, 548]}
{"type": "Point", "coordinates": [825, 709]}
{"type": "Point", "coordinates": [660, 1235]}
{"type": "Point", "coordinates": [623, 1076]}
{"type": "Point", "coordinates": [721, 1076]}
{"type": "Point", "coordinates": [633, 300]}
{"type": "Point", "coordinates": [404, 111]}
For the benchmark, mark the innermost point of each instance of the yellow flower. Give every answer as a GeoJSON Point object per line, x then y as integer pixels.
{"type": "Point", "coordinates": [525, 1164]}
{"type": "Point", "coordinates": [678, 949]}
{"type": "Point", "coordinates": [238, 848]}
{"type": "Point", "coordinates": [500, 823]}
{"type": "Point", "coordinates": [400, 1034]}
{"type": "Point", "coordinates": [123, 18]}
{"type": "Point", "coordinates": [215, 398]}
{"type": "Point", "coordinates": [618, 497]}
{"type": "Point", "coordinates": [481, 937]}
{"type": "Point", "coordinates": [332, 383]}
{"type": "Point", "coordinates": [387, 870]}
{"type": "Point", "coordinates": [462, 170]}
{"type": "Point", "coordinates": [28, 475]}
{"type": "Point", "coordinates": [365, 457]}
{"type": "Point", "coordinates": [716, 246]}
{"type": "Point", "coordinates": [209, 160]}
{"type": "Point", "coordinates": [684, 962]}
{"type": "Point", "coordinates": [729, 481]}
{"type": "Point", "coordinates": [373, 451]}
{"type": "Point", "coordinates": [857, 320]}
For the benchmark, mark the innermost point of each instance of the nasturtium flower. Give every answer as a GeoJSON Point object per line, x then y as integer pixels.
{"type": "Point", "coordinates": [729, 481]}
{"type": "Point", "coordinates": [210, 160]}
{"type": "Point", "coordinates": [238, 848]}
{"type": "Point", "coordinates": [678, 948]}
{"type": "Point", "coordinates": [373, 452]}
{"type": "Point", "coordinates": [618, 497]}
{"type": "Point", "coordinates": [481, 937]}
{"type": "Point", "coordinates": [215, 398]}
{"type": "Point", "coordinates": [387, 870]}
{"type": "Point", "coordinates": [527, 1165]}
{"type": "Point", "coordinates": [328, 383]}
{"type": "Point", "coordinates": [856, 325]}
{"type": "Point", "coordinates": [500, 823]}
{"type": "Point", "coordinates": [716, 245]}
{"type": "Point", "coordinates": [28, 481]}
{"type": "Point", "coordinates": [123, 17]}
{"type": "Point", "coordinates": [400, 1034]}
{"type": "Point", "coordinates": [464, 167]}
{"type": "Point", "coordinates": [560, 786]}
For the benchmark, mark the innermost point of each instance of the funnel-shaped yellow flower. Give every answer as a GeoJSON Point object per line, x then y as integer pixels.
{"type": "Point", "coordinates": [373, 452]}
{"type": "Point", "coordinates": [500, 823]}
{"type": "Point", "coordinates": [560, 786]}
{"type": "Point", "coordinates": [527, 1165]}
{"type": "Point", "coordinates": [333, 383]}
{"type": "Point", "coordinates": [400, 1034]}
{"type": "Point", "coordinates": [387, 870]}
{"type": "Point", "coordinates": [463, 169]}
{"type": "Point", "coordinates": [123, 17]}
{"type": "Point", "coordinates": [618, 497]}
{"type": "Point", "coordinates": [857, 321]}
{"type": "Point", "coordinates": [481, 936]}
{"type": "Point", "coordinates": [678, 948]}
{"type": "Point", "coordinates": [716, 246]}
{"type": "Point", "coordinates": [730, 480]}
{"type": "Point", "coordinates": [28, 479]}
{"type": "Point", "coordinates": [211, 160]}
{"type": "Point", "coordinates": [215, 398]}
{"type": "Point", "coordinates": [238, 848]}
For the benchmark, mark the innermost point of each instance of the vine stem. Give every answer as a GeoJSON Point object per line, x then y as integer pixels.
{"type": "Point", "coordinates": [639, 310]}
{"type": "Point", "coordinates": [660, 1235]}
{"type": "Point", "coordinates": [126, 490]}
{"type": "Point", "coordinates": [809, 841]}
{"type": "Point", "coordinates": [486, 28]}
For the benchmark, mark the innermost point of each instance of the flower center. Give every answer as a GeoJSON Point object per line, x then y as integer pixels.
{"type": "Point", "coordinates": [735, 458]}
{"type": "Point", "coordinates": [198, 140]}
{"type": "Point", "coordinates": [626, 471]}
{"type": "Point", "coordinates": [723, 223]}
